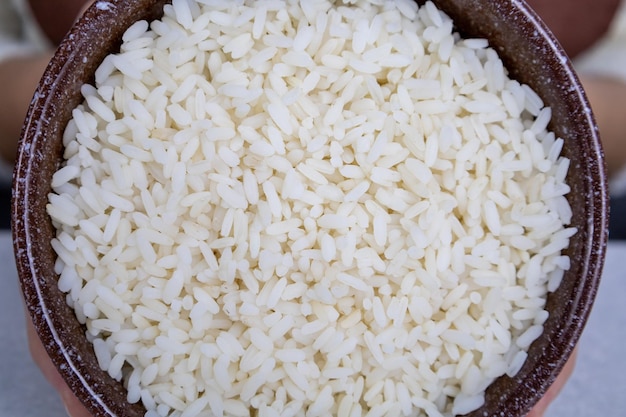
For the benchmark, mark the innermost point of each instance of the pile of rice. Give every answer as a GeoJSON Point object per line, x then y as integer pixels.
{"type": "Point", "coordinates": [290, 208]}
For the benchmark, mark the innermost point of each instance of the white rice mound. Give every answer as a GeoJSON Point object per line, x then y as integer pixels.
{"type": "Point", "coordinates": [309, 208]}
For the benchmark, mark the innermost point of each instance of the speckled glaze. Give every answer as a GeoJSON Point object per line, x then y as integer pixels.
{"type": "Point", "coordinates": [530, 53]}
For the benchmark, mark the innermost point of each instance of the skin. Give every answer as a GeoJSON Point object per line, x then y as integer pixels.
{"type": "Point", "coordinates": [607, 98]}
{"type": "Point", "coordinates": [566, 18]}
{"type": "Point", "coordinates": [605, 95]}
{"type": "Point", "coordinates": [542, 406]}
{"type": "Point", "coordinates": [55, 18]}
{"type": "Point", "coordinates": [73, 406]}
{"type": "Point", "coordinates": [15, 100]}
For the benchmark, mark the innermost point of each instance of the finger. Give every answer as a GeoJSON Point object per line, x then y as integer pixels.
{"type": "Point", "coordinates": [74, 407]}
{"type": "Point", "coordinates": [40, 356]}
{"type": "Point", "coordinates": [38, 352]}
{"type": "Point", "coordinates": [555, 389]}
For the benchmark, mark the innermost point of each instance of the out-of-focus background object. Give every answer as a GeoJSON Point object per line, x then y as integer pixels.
{"type": "Point", "coordinates": [577, 24]}
{"type": "Point", "coordinates": [55, 16]}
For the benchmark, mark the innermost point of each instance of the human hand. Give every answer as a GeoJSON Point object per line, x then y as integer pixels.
{"type": "Point", "coordinates": [73, 406]}
{"type": "Point", "coordinates": [554, 390]}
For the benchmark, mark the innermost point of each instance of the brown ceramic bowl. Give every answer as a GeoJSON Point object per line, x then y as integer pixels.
{"type": "Point", "coordinates": [532, 56]}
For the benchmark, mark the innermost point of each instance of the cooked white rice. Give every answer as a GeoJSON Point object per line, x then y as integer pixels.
{"type": "Point", "coordinates": [292, 208]}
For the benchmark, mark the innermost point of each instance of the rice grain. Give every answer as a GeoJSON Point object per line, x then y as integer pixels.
{"type": "Point", "coordinates": [309, 208]}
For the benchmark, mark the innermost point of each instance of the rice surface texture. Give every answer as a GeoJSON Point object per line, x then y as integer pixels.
{"type": "Point", "coordinates": [309, 208]}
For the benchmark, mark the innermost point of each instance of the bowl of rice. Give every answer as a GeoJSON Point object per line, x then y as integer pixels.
{"type": "Point", "coordinates": [309, 208]}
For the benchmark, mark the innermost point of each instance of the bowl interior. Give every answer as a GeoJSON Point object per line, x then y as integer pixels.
{"type": "Point", "coordinates": [530, 53]}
